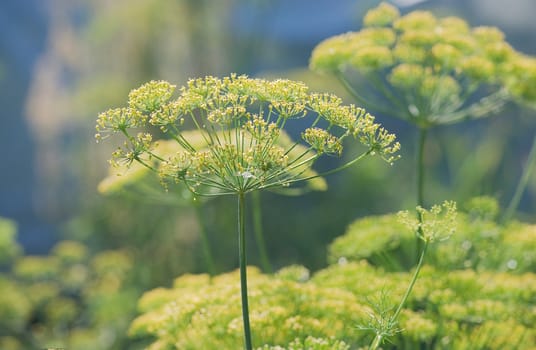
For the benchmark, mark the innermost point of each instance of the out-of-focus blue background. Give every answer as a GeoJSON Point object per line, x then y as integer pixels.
{"type": "Point", "coordinates": [63, 61]}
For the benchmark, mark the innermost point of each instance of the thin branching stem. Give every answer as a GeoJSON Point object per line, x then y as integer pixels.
{"type": "Point", "coordinates": [362, 100]}
{"type": "Point", "coordinates": [420, 166]}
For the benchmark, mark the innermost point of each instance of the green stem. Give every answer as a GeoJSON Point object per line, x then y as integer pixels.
{"type": "Point", "coordinates": [205, 243]}
{"type": "Point", "coordinates": [243, 270]}
{"type": "Point", "coordinates": [522, 184]}
{"type": "Point", "coordinates": [259, 236]}
{"type": "Point", "coordinates": [420, 180]}
{"type": "Point", "coordinates": [412, 283]}
{"type": "Point", "coordinates": [420, 167]}
{"type": "Point", "coordinates": [379, 336]}
{"type": "Point", "coordinates": [376, 342]}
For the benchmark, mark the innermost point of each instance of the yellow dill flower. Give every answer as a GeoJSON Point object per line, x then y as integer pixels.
{"type": "Point", "coordinates": [241, 151]}
{"type": "Point", "coordinates": [473, 62]}
{"type": "Point", "coordinates": [453, 24]}
{"type": "Point", "coordinates": [332, 53]}
{"type": "Point", "coordinates": [406, 75]}
{"type": "Point", "coordinates": [406, 53]}
{"type": "Point", "coordinates": [416, 20]}
{"type": "Point", "coordinates": [377, 36]}
{"type": "Point", "coordinates": [436, 224]}
{"type": "Point", "coordinates": [419, 37]}
{"type": "Point", "coordinates": [417, 327]}
{"type": "Point", "coordinates": [478, 68]}
{"type": "Point", "coordinates": [446, 55]}
{"type": "Point", "coordinates": [382, 15]}
{"type": "Point", "coordinates": [371, 58]}
{"type": "Point", "coordinates": [486, 34]}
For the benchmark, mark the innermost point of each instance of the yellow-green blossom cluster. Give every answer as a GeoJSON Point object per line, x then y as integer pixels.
{"type": "Point", "coordinates": [202, 312]}
{"type": "Point", "coordinates": [310, 343]}
{"type": "Point", "coordinates": [460, 293]}
{"type": "Point", "coordinates": [137, 178]}
{"type": "Point", "coordinates": [436, 224]}
{"type": "Point", "coordinates": [52, 300]}
{"type": "Point", "coordinates": [427, 68]}
{"type": "Point", "coordinates": [385, 241]}
{"type": "Point", "coordinates": [291, 310]}
{"type": "Point", "coordinates": [240, 122]}
{"type": "Point", "coordinates": [522, 82]}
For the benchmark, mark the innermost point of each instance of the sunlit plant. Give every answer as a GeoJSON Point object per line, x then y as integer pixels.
{"type": "Point", "coordinates": [436, 224]}
{"type": "Point", "coordinates": [139, 182]}
{"type": "Point", "coordinates": [455, 304]}
{"type": "Point", "coordinates": [426, 70]}
{"type": "Point", "coordinates": [240, 121]}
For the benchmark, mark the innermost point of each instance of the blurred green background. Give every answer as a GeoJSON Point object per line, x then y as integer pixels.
{"type": "Point", "coordinates": [64, 61]}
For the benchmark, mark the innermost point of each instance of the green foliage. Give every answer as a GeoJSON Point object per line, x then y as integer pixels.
{"type": "Point", "coordinates": [467, 293]}
{"type": "Point", "coordinates": [69, 298]}
{"type": "Point", "coordinates": [446, 308]}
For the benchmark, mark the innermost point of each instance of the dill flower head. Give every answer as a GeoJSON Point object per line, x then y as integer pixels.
{"type": "Point", "coordinates": [522, 80]}
{"type": "Point", "coordinates": [239, 144]}
{"type": "Point", "coordinates": [202, 312]}
{"type": "Point", "coordinates": [436, 224]}
{"type": "Point", "coordinates": [462, 65]}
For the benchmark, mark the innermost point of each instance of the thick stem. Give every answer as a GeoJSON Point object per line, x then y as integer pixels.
{"type": "Point", "coordinates": [259, 236]}
{"type": "Point", "coordinates": [412, 283]}
{"type": "Point", "coordinates": [420, 180]}
{"type": "Point", "coordinates": [243, 270]}
{"type": "Point", "coordinates": [522, 184]}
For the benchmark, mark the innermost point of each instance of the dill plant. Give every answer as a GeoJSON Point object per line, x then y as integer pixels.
{"type": "Point", "coordinates": [455, 305]}
{"type": "Point", "coordinates": [240, 121]}
{"type": "Point", "coordinates": [139, 182]}
{"type": "Point", "coordinates": [426, 70]}
{"type": "Point", "coordinates": [436, 224]}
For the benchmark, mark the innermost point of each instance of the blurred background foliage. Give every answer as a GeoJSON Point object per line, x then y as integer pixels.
{"type": "Point", "coordinates": [63, 61]}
